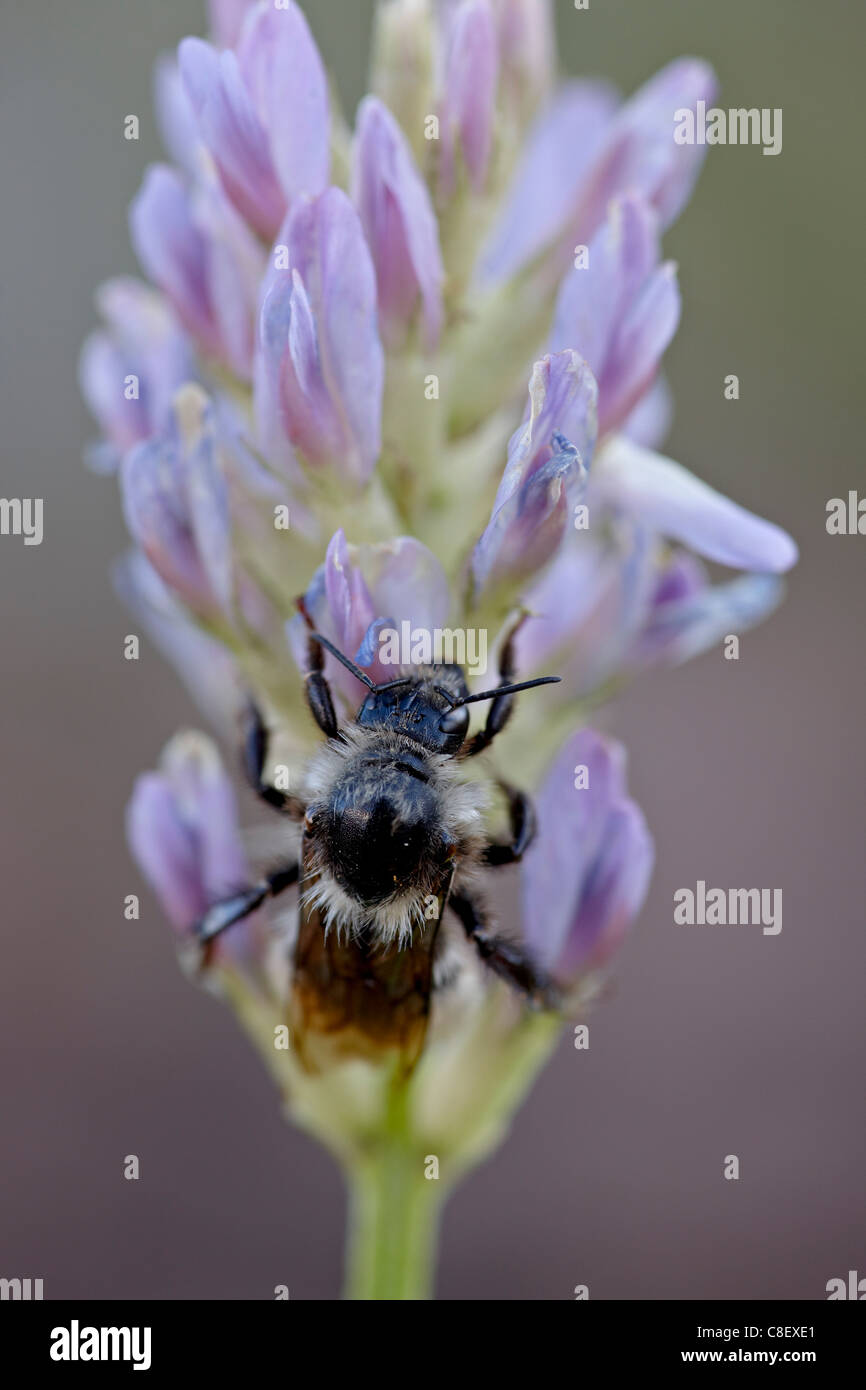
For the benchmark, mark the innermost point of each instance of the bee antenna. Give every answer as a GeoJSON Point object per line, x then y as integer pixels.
{"type": "Point", "coordinates": [343, 660]}
{"type": "Point", "coordinates": [509, 689]}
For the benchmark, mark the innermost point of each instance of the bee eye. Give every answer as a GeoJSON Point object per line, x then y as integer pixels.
{"type": "Point", "coordinates": [455, 721]}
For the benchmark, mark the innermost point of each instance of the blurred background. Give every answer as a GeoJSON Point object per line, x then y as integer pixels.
{"type": "Point", "coordinates": [750, 772]}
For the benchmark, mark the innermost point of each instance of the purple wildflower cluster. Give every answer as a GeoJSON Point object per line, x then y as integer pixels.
{"type": "Point", "coordinates": [322, 390]}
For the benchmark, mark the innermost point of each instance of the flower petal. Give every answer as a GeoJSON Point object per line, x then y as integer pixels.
{"type": "Point", "coordinates": [360, 587]}
{"type": "Point", "coordinates": [175, 501]}
{"type": "Point", "coordinates": [586, 875]}
{"type": "Point", "coordinates": [400, 224]}
{"type": "Point", "coordinates": [528, 526]}
{"type": "Point", "coordinates": [233, 133]}
{"type": "Point", "coordinates": [172, 249]}
{"type": "Point", "coordinates": [320, 340]}
{"type": "Point", "coordinates": [183, 829]}
{"type": "Point", "coordinates": [283, 72]}
{"type": "Point", "coordinates": [469, 93]}
{"type": "Point", "coordinates": [688, 618]}
{"type": "Point", "coordinates": [621, 310]}
{"type": "Point", "coordinates": [559, 150]}
{"type": "Point", "coordinates": [227, 20]}
{"type": "Point", "coordinates": [640, 154]}
{"type": "Point", "coordinates": [668, 498]}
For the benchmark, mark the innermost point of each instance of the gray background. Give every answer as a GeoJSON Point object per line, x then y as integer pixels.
{"type": "Point", "coordinates": [751, 772]}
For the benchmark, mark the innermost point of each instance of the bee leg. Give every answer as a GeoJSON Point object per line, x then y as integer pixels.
{"type": "Point", "coordinates": [318, 691]}
{"type": "Point", "coordinates": [504, 959]}
{"type": "Point", "coordinates": [254, 748]}
{"type": "Point", "coordinates": [523, 827]}
{"type": "Point", "coordinates": [500, 710]}
{"type": "Point", "coordinates": [231, 910]}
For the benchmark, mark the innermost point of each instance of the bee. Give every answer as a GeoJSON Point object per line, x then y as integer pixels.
{"type": "Point", "coordinates": [391, 840]}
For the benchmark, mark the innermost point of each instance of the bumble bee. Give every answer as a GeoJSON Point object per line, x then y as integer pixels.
{"type": "Point", "coordinates": [390, 839]}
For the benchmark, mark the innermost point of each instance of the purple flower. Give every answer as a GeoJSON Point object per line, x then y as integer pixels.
{"type": "Point", "coordinates": [546, 471]}
{"type": "Point", "coordinates": [358, 590]}
{"type": "Point", "coordinates": [468, 102]}
{"type": "Point", "coordinates": [175, 500]}
{"type": "Point", "coordinates": [560, 149]}
{"type": "Point", "coordinates": [621, 310]}
{"type": "Point", "coordinates": [262, 113]}
{"type": "Point", "coordinates": [231, 130]}
{"type": "Point", "coordinates": [175, 117]}
{"type": "Point", "coordinates": [639, 153]}
{"type": "Point", "coordinates": [227, 19]}
{"type": "Point", "coordinates": [687, 614]}
{"type": "Point", "coordinates": [527, 50]}
{"type": "Point", "coordinates": [322, 365]}
{"type": "Point", "coordinates": [650, 421]}
{"type": "Point", "coordinates": [205, 260]}
{"type": "Point", "coordinates": [130, 372]}
{"type": "Point", "coordinates": [400, 224]}
{"type": "Point", "coordinates": [600, 613]}
{"type": "Point", "coordinates": [205, 666]}
{"type": "Point", "coordinates": [182, 826]}
{"type": "Point", "coordinates": [669, 499]}
{"type": "Point", "coordinates": [585, 878]}
{"type": "Point", "coordinates": [582, 153]}
{"type": "Point", "coordinates": [587, 610]}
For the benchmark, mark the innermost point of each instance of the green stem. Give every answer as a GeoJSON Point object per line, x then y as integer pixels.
{"type": "Point", "coordinates": [394, 1217]}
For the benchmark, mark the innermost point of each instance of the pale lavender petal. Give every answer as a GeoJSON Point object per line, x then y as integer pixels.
{"type": "Point", "coordinates": [283, 72]}
{"type": "Point", "coordinates": [175, 117]}
{"type": "Point", "coordinates": [207, 501]}
{"type": "Point", "coordinates": [593, 299]}
{"type": "Point", "coordinates": [102, 372]}
{"type": "Point", "coordinates": [358, 589]}
{"type": "Point", "coordinates": [175, 502]}
{"type": "Point", "coordinates": [406, 582]}
{"type": "Point", "coordinates": [351, 607]}
{"type": "Point", "coordinates": [469, 96]}
{"type": "Point", "coordinates": [621, 310]}
{"type": "Point", "coordinates": [227, 20]}
{"type": "Point", "coordinates": [562, 398]}
{"type": "Point", "coordinates": [235, 264]}
{"type": "Point", "coordinates": [641, 338]}
{"type": "Point", "coordinates": [182, 826]}
{"type": "Point", "coordinates": [320, 341]}
{"type": "Point", "coordinates": [650, 421]}
{"type": "Point", "coordinates": [684, 624]}
{"type": "Point", "coordinates": [172, 249]}
{"type": "Point", "coordinates": [586, 875]}
{"type": "Point", "coordinates": [560, 601]}
{"type": "Point", "coordinates": [142, 351]}
{"type": "Point", "coordinates": [400, 224]}
{"type": "Point", "coordinates": [525, 530]}
{"type": "Point", "coordinates": [527, 50]}
{"type": "Point", "coordinates": [560, 149]}
{"type": "Point", "coordinates": [205, 666]}
{"type": "Point", "coordinates": [233, 133]}
{"type": "Point", "coordinates": [155, 511]}
{"type": "Point", "coordinates": [672, 501]}
{"type": "Point", "coordinates": [165, 850]}
{"type": "Point", "coordinates": [640, 153]}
